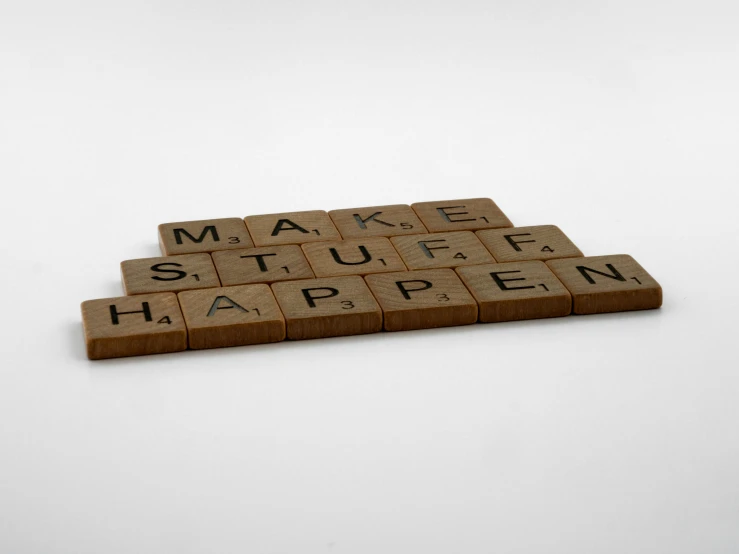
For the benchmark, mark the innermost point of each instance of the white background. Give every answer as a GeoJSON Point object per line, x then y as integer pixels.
{"type": "Point", "coordinates": [617, 121]}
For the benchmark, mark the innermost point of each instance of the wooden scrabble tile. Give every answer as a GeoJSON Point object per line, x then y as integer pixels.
{"type": "Point", "coordinates": [422, 299]}
{"type": "Point", "coordinates": [517, 290]}
{"type": "Point", "coordinates": [291, 228]}
{"type": "Point", "coordinates": [133, 326]}
{"type": "Point", "coordinates": [377, 221]}
{"type": "Point", "coordinates": [520, 244]}
{"type": "Point", "coordinates": [353, 257]}
{"type": "Point", "coordinates": [231, 316]}
{"type": "Point", "coordinates": [266, 264]}
{"type": "Point", "coordinates": [461, 215]}
{"type": "Point", "coordinates": [437, 250]}
{"type": "Point", "coordinates": [600, 284]}
{"type": "Point", "coordinates": [169, 274]}
{"type": "Point", "coordinates": [208, 235]}
{"type": "Point", "coordinates": [328, 307]}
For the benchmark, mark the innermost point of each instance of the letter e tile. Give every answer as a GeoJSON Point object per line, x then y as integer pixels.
{"type": "Point", "coordinates": [461, 215]}
{"type": "Point", "coordinates": [515, 291]}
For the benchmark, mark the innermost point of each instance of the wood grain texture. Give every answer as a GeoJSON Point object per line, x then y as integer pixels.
{"type": "Point", "coordinates": [461, 215]}
{"type": "Point", "coordinates": [291, 228]}
{"type": "Point", "coordinates": [353, 257]}
{"type": "Point", "coordinates": [133, 326]}
{"type": "Point", "coordinates": [377, 221]}
{"type": "Point", "coordinates": [207, 235]}
{"type": "Point", "coordinates": [601, 284]}
{"type": "Point", "coordinates": [438, 250]}
{"type": "Point", "coordinates": [515, 291]}
{"type": "Point", "coordinates": [267, 264]}
{"type": "Point", "coordinates": [231, 316]}
{"type": "Point", "coordinates": [328, 307]}
{"type": "Point", "coordinates": [169, 274]}
{"type": "Point", "coordinates": [422, 299]}
{"type": "Point", "coordinates": [520, 244]}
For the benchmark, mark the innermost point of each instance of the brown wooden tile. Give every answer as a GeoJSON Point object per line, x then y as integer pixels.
{"type": "Point", "coordinates": [436, 250]}
{"type": "Point", "coordinates": [267, 264]}
{"type": "Point", "coordinates": [600, 284]}
{"type": "Point", "coordinates": [169, 274]}
{"type": "Point", "coordinates": [377, 221]}
{"type": "Point", "coordinates": [329, 307]}
{"type": "Point", "coordinates": [207, 235]}
{"type": "Point", "coordinates": [291, 228]}
{"type": "Point", "coordinates": [353, 257]}
{"type": "Point", "coordinates": [231, 316]}
{"type": "Point", "coordinates": [133, 326]}
{"type": "Point", "coordinates": [521, 244]}
{"type": "Point", "coordinates": [461, 215]}
{"type": "Point", "coordinates": [422, 299]}
{"type": "Point", "coordinates": [515, 291]}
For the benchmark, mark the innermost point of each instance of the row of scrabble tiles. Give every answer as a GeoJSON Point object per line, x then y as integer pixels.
{"type": "Point", "coordinates": [190, 237]}
{"type": "Point", "coordinates": [350, 305]}
{"type": "Point", "coordinates": [364, 256]}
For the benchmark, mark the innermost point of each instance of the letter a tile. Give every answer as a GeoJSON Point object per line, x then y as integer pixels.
{"type": "Point", "coordinates": [461, 215]}
{"type": "Point", "coordinates": [515, 291]}
{"type": "Point", "coordinates": [291, 228]}
{"type": "Point", "coordinates": [169, 274]}
{"type": "Point", "coordinates": [353, 257]}
{"type": "Point", "coordinates": [133, 326]}
{"type": "Point", "coordinates": [208, 235]}
{"type": "Point", "coordinates": [600, 284]}
{"type": "Point", "coordinates": [231, 316]}
{"type": "Point", "coordinates": [377, 221]}
{"type": "Point", "coordinates": [330, 307]}
{"type": "Point", "coordinates": [422, 299]}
